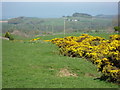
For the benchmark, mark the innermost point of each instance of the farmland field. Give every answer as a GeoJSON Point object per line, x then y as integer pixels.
{"type": "Point", "coordinates": [39, 65]}
{"type": "Point", "coordinates": [0, 61]}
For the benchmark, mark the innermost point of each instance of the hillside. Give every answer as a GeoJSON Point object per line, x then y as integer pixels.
{"type": "Point", "coordinates": [78, 22]}
{"type": "Point", "coordinates": [105, 16]}
{"type": "Point", "coordinates": [82, 15]}
{"type": "Point", "coordinates": [39, 65]}
{"type": "Point", "coordinates": [57, 23]}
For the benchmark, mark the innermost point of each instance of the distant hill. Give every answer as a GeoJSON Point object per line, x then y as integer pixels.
{"type": "Point", "coordinates": [81, 22]}
{"type": "Point", "coordinates": [104, 16]}
{"type": "Point", "coordinates": [81, 15]}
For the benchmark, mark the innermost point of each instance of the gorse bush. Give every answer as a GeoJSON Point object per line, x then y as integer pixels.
{"type": "Point", "coordinates": [35, 40]}
{"type": "Point", "coordinates": [105, 54]}
{"type": "Point", "coordinates": [8, 35]}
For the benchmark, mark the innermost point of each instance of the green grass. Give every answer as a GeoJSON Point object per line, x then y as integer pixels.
{"type": "Point", "coordinates": [37, 65]}
{"type": "Point", "coordinates": [0, 63]}
{"type": "Point", "coordinates": [48, 37]}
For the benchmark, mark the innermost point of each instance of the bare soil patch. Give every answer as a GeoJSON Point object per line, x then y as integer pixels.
{"type": "Point", "coordinates": [19, 33]}
{"type": "Point", "coordinates": [90, 75]}
{"type": "Point", "coordinates": [64, 72]}
{"type": "Point", "coordinates": [4, 38]}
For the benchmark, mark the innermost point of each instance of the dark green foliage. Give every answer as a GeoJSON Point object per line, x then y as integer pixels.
{"type": "Point", "coordinates": [81, 15]}
{"type": "Point", "coordinates": [11, 37]}
{"type": "Point", "coordinates": [8, 35]}
{"type": "Point", "coordinates": [117, 28]}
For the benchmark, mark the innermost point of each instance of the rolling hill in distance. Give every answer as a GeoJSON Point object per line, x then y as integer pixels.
{"type": "Point", "coordinates": [77, 22]}
{"type": "Point", "coordinates": [54, 17]}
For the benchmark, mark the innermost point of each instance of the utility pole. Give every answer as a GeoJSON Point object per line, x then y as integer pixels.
{"type": "Point", "coordinates": [52, 29]}
{"type": "Point", "coordinates": [46, 29]}
{"type": "Point", "coordinates": [64, 26]}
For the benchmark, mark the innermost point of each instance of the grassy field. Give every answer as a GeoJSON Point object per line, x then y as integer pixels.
{"type": "Point", "coordinates": [48, 37]}
{"type": "Point", "coordinates": [39, 65]}
{"type": "Point", "coordinates": [34, 25]}
{"type": "Point", "coordinates": [0, 62]}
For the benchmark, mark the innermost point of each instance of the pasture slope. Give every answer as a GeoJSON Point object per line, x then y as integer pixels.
{"type": "Point", "coordinates": [39, 65]}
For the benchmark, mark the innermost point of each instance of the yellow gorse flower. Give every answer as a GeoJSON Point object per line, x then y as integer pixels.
{"type": "Point", "coordinates": [104, 53]}
{"type": "Point", "coordinates": [35, 39]}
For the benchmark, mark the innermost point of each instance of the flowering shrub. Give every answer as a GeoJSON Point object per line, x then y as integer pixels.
{"type": "Point", "coordinates": [35, 39]}
{"type": "Point", "coordinates": [105, 54]}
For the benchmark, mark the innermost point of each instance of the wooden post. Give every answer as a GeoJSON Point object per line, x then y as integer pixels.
{"type": "Point", "coordinates": [64, 26]}
{"type": "Point", "coordinates": [52, 29]}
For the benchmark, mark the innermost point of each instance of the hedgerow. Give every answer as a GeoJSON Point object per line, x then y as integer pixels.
{"type": "Point", "coordinates": [105, 54]}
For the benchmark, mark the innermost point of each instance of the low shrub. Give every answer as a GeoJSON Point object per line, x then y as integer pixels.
{"type": "Point", "coordinates": [105, 54]}
{"type": "Point", "coordinates": [8, 35]}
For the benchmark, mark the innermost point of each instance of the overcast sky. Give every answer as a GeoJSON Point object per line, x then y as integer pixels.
{"type": "Point", "coordinates": [56, 9]}
{"type": "Point", "coordinates": [60, 0]}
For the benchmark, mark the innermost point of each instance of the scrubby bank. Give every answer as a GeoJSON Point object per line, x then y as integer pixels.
{"type": "Point", "coordinates": [105, 54]}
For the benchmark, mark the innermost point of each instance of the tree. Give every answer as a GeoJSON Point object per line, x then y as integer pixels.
{"type": "Point", "coordinates": [8, 35]}
{"type": "Point", "coordinates": [117, 28]}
